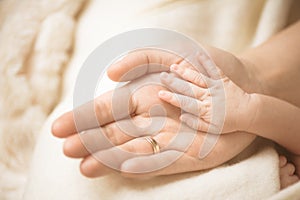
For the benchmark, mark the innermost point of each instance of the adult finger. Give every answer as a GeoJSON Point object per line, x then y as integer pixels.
{"type": "Point", "coordinates": [159, 164]}
{"type": "Point", "coordinates": [91, 167]}
{"type": "Point", "coordinates": [230, 145]}
{"type": "Point", "coordinates": [113, 134]}
{"type": "Point", "coordinates": [104, 163]}
{"type": "Point", "coordinates": [189, 161]}
{"type": "Point", "coordinates": [171, 161]}
{"type": "Point", "coordinates": [142, 62]}
{"type": "Point", "coordinates": [95, 113]}
{"type": "Point", "coordinates": [115, 156]}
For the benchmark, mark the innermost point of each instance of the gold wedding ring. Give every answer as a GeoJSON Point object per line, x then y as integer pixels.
{"type": "Point", "coordinates": [153, 143]}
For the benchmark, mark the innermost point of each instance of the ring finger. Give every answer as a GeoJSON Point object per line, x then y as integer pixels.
{"type": "Point", "coordinates": [93, 140]}
{"type": "Point", "coordinates": [113, 158]}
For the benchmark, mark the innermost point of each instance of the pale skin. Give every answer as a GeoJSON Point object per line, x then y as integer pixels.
{"type": "Point", "coordinates": [249, 71]}
{"type": "Point", "coordinates": [262, 115]}
{"type": "Point", "coordinates": [65, 127]}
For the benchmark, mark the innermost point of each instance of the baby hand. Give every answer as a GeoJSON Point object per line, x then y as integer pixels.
{"type": "Point", "coordinates": [211, 104]}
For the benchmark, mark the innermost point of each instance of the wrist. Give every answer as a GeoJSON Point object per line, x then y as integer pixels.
{"type": "Point", "coordinates": [253, 79]}
{"type": "Point", "coordinates": [248, 112]}
{"type": "Point", "coordinates": [240, 69]}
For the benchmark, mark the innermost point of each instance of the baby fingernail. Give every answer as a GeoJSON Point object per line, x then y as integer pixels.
{"type": "Point", "coordinates": [182, 118]}
{"type": "Point", "coordinates": [165, 94]}
{"type": "Point", "coordinates": [164, 75]}
{"type": "Point", "coordinates": [174, 67]}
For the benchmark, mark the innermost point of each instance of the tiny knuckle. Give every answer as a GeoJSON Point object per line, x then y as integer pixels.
{"type": "Point", "coordinates": [189, 121]}
{"type": "Point", "coordinates": [195, 124]}
{"type": "Point", "coordinates": [185, 74]}
{"type": "Point", "coordinates": [197, 78]}
{"type": "Point", "coordinates": [185, 102]}
{"type": "Point", "coordinates": [185, 88]}
{"type": "Point", "coordinates": [200, 107]}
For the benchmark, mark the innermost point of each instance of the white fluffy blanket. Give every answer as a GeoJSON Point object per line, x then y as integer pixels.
{"type": "Point", "coordinates": [36, 41]}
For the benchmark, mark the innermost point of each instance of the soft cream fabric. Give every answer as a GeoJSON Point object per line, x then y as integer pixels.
{"type": "Point", "coordinates": [36, 39]}
{"type": "Point", "coordinates": [290, 193]}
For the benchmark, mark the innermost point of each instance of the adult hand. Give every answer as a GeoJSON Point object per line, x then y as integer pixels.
{"type": "Point", "coordinates": [143, 62]}
{"type": "Point", "coordinates": [116, 141]}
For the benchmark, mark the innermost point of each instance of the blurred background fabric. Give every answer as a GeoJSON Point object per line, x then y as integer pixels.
{"type": "Point", "coordinates": [43, 43]}
{"type": "Point", "coordinates": [36, 40]}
